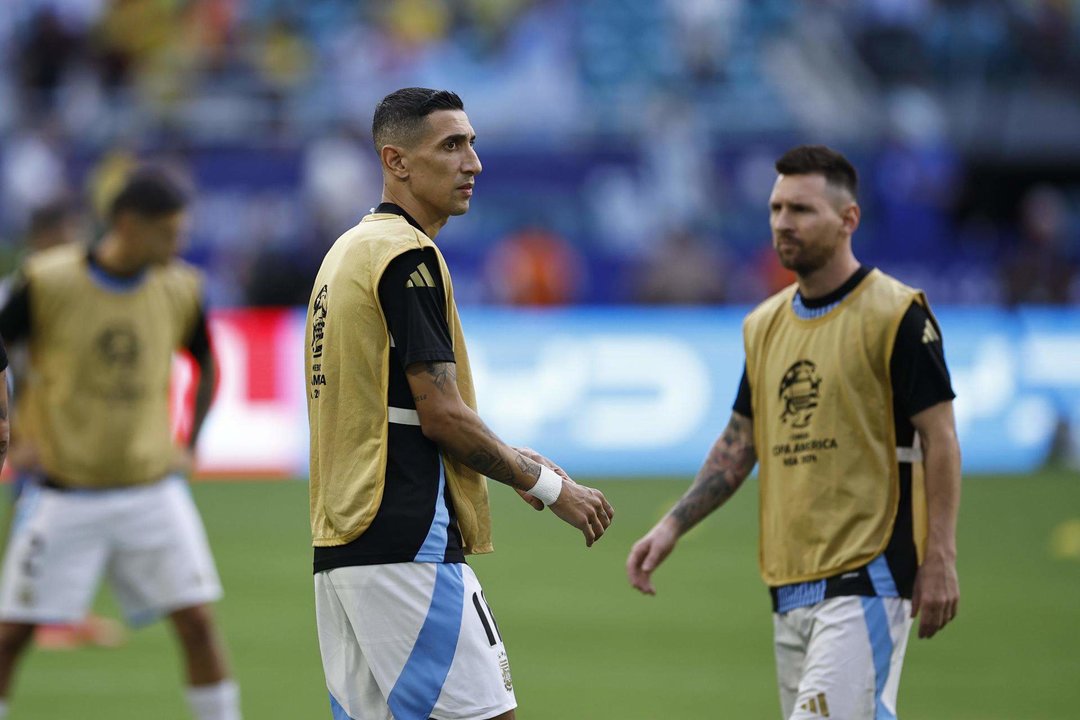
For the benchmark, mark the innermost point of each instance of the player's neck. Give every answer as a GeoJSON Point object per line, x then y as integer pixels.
{"type": "Point", "coordinates": [114, 257]}
{"type": "Point", "coordinates": [825, 280]}
{"type": "Point", "coordinates": [418, 211]}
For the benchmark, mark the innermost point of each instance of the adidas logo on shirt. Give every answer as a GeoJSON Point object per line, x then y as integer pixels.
{"type": "Point", "coordinates": [420, 277]}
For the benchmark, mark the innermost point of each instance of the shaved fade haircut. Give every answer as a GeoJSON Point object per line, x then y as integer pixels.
{"type": "Point", "coordinates": [399, 117]}
{"type": "Point", "coordinates": [820, 160]}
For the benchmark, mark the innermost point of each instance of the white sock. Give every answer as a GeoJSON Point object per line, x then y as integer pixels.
{"type": "Point", "coordinates": [3, 708]}
{"type": "Point", "coordinates": [220, 701]}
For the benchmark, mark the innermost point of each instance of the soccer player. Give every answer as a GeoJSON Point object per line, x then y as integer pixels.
{"type": "Point", "coordinates": [102, 325]}
{"type": "Point", "coordinates": [51, 225]}
{"type": "Point", "coordinates": [846, 404]}
{"type": "Point", "coordinates": [398, 451]}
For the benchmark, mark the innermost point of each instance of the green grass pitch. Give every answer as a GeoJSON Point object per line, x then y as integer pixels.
{"type": "Point", "coordinates": [584, 646]}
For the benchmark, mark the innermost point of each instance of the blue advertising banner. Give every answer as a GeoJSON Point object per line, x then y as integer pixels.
{"type": "Point", "coordinates": [646, 391]}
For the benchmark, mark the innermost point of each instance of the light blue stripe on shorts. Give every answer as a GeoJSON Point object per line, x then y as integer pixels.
{"type": "Point", "coordinates": [336, 711]}
{"type": "Point", "coordinates": [877, 626]}
{"type": "Point", "coordinates": [421, 681]}
{"type": "Point", "coordinates": [26, 505]}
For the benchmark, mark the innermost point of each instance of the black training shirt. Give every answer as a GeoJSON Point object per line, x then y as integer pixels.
{"type": "Point", "coordinates": [416, 319]}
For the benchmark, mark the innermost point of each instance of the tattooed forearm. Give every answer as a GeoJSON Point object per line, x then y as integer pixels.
{"type": "Point", "coordinates": [442, 374]}
{"type": "Point", "coordinates": [489, 462]}
{"type": "Point", "coordinates": [729, 462]}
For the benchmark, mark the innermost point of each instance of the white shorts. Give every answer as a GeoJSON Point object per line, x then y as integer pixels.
{"type": "Point", "coordinates": [410, 641]}
{"type": "Point", "coordinates": [841, 658]}
{"type": "Point", "coordinates": [148, 540]}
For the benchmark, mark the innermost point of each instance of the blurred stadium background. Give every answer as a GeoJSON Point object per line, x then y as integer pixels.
{"type": "Point", "coordinates": [627, 149]}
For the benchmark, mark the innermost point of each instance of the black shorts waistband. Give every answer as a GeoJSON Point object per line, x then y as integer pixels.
{"type": "Point", "coordinates": [851, 582]}
{"type": "Point", "coordinates": [52, 483]}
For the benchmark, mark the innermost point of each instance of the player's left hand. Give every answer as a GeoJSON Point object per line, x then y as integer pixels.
{"type": "Point", "coordinates": [649, 552]}
{"type": "Point", "coordinates": [936, 596]}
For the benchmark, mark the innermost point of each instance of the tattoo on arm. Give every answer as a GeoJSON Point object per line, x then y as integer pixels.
{"type": "Point", "coordinates": [490, 460]}
{"type": "Point", "coordinates": [442, 374]}
{"type": "Point", "coordinates": [528, 467]}
{"type": "Point", "coordinates": [729, 462]}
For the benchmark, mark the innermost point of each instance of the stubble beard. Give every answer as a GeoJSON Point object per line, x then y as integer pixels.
{"type": "Point", "coordinates": [804, 264]}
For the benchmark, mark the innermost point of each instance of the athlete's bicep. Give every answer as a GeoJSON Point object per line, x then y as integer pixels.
{"type": "Point", "coordinates": [435, 395]}
{"type": "Point", "coordinates": [431, 380]}
{"type": "Point", "coordinates": [936, 423]}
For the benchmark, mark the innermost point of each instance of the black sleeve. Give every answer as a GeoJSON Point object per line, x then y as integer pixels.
{"type": "Point", "coordinates": [15, 315]}
{"type": "Point", "coordinates": [413, 301]}
{"type": "Point", "coordinates": [920, 378]}
{"type": "Point", "coordinates": [199, 342]}
{"type": "Point", "coordinates": [743, 404]}
{"type": "Point", "coordinates": [3, 358]}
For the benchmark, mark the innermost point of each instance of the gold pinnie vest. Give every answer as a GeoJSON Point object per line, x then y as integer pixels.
{"type": "Point", "coordinates": [347, 358]}
{"type": "Point", "coordinates": [824, 430]}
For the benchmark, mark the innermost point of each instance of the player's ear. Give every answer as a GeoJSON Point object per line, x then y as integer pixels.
{"type": "Point", "coordinates": [850, 216]}
{"type": "Point", "coordinates": [394, 161]}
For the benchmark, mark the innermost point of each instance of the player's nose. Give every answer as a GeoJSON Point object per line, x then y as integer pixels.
{"type": "Point", "coordinates": [472, 165]}
{"type": "Point", "coordinates": [781, 221]}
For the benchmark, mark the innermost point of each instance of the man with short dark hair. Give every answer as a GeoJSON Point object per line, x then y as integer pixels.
{"type": "Point", "coordinates": [102, 326]}
{"type": "Point", "coordinates": [55, 223]}
{"type": "Point", "coordinates": [398, 452]}
{"type": "Point", "coordinates": [846, 405]}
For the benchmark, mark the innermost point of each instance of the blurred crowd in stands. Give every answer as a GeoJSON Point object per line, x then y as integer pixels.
{"type": "Point", "coordinates": [627, 144]}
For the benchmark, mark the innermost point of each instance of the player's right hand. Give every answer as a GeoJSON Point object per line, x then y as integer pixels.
{"type": "Point", "coordinates": [648, 553]}
{"type": "Point", "coordinates": [585, 508]}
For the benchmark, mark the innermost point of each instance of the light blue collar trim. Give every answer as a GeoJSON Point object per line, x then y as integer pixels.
{"type": "Point", "coordinates": [116, 283]}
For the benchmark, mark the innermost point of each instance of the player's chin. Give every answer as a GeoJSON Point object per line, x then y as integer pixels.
{"type": "Point", "coordinates": [459, 207]}
{"type": "Point", "coordinates": [788, 260]}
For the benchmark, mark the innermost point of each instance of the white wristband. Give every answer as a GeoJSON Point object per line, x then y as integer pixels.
{"type": "Point", "coordinates": [548, 487]}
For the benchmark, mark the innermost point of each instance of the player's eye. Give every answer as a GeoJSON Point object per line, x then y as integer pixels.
{"type": "Point", "coordinates": [450, 144]}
